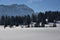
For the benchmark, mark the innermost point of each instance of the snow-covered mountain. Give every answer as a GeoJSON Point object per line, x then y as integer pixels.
{"type": "Point", "coordinates": [13, 10]}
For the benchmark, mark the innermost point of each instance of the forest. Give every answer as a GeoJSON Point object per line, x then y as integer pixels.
{"type": "Point", "coordinates": [40, 17]}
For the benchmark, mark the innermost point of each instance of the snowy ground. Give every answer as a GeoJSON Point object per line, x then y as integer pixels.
{"type": "Point", "coordinates": [29, 33]}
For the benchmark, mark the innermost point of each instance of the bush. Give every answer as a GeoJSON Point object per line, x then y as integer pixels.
{"type": "Point", "coordinates": [5, 26]}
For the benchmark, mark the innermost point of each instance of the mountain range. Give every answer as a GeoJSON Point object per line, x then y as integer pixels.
{"type": "Point", "coordinates": [15, 10]}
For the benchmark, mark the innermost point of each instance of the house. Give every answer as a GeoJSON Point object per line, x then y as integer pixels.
{"type": "Point", "coordinates": [49, 25]}
{"type": "Point", "coordinates": [32, 24]}
{"type": "Point", "coordinates": [58, 23]}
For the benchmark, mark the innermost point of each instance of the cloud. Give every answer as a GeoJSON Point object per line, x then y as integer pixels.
{"type": "Point", "coordinates": [31, 1]}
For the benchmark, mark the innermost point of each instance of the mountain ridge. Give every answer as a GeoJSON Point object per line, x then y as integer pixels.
{"type": "Point", "coordinates": [15, 10]}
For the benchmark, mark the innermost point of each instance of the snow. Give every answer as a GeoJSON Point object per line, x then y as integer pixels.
{"type": "Point", "coordinates": [29, 33]}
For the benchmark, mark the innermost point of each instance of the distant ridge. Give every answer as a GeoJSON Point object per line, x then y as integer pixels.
{"type": "Point", "coordinates": [15, 10]}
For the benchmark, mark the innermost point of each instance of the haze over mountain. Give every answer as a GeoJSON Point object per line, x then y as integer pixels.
{"type": "Point", "coordinates": [15, 10]}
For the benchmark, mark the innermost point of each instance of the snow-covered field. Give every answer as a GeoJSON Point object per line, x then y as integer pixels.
{"type": "Point", "coordinates": [29, 33]}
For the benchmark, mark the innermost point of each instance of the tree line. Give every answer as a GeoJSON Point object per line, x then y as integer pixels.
{"type": "Point", "coordinates": [41, 17]}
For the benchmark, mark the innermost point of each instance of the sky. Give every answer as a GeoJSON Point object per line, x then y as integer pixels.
{"type": "Point", "coordinates": [36, 5]}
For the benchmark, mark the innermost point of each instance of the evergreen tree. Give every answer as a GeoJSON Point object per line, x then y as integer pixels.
{"type": "Point", "coordinates": [34, 18]}
{"type": "Point", "coordinates": [28, 20]}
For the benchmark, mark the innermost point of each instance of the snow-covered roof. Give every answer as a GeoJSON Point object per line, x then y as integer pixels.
{"type": "Point", "coordinates": [57, 21]}
{"type": "Point", "coordinates": [49, 24]}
